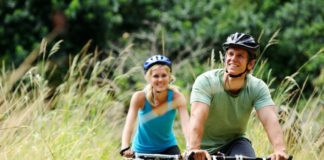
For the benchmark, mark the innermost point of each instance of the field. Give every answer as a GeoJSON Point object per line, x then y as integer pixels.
{"type": "Point", "coordinates": [83, 117]}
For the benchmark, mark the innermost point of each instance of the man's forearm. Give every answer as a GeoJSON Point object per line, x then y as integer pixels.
{"type": "Point", "coordinates": [199, 114]}
{"type": "Point", "coordinates": [195, 138]}
{"type": "Point", "coordinates": [196, 132]}
{"type": "Point", "coordinates": [275, 135]}
{"type": "Point", "coordinates": [271, 124]}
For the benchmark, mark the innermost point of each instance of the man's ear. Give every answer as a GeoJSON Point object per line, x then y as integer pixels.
{"type": "Point", "coordinates": [251, 64]}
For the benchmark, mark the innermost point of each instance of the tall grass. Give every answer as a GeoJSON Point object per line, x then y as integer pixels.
{"type": "Point", "coordinates": [303, 129]}
{"type": "Point", "coordinates": [83, 117]}
{"type": "Point", "coordinates": [301, 118]}
{"type": "Point", "coordinates": [81, 120]}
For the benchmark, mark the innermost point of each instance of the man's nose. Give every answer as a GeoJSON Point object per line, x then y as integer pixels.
{"type": "Point", "coordinates": [234, 57]}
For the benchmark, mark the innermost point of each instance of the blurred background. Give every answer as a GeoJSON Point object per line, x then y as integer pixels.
{"type": "Point", "coordinates": [61, 57]}
{"type": "Point", "coordinates": [181, 27]}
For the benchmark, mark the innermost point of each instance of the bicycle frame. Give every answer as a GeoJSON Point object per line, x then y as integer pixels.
{"type": "Point", "coordinates": [146, 156]}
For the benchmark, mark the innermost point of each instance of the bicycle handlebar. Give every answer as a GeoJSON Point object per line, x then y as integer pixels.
{"type": "Point", "coordinates": [144, 156]}
{"type": "Point", "coordinates": [238, 157]}
{"type": "Point", "coordinates": [242, 158]}
{"type": "Point", "coordinates": [156, 156]}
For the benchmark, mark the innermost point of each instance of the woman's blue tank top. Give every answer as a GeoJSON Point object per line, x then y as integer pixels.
{"type": "Point", "coordinates": [154, 132]}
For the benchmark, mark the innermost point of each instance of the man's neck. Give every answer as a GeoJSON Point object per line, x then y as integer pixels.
{"type": "Point", "coordinates": [233, 85]}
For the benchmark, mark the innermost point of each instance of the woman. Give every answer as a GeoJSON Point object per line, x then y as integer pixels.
{"type": "Point", "coordinates": [155, 107]}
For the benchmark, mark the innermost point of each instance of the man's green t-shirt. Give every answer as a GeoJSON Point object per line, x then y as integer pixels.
{"type": "Point", "coordinates": [228, 114]}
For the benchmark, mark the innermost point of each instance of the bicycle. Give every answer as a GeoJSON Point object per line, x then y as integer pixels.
{"type": "Point", "coordinates": [237, 157]}
{"type": "Point", "coordinates": [145, 156]}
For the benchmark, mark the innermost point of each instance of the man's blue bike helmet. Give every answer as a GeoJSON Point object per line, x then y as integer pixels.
{"type": "Point", "coordinates": [244, 41]}
{"type": "Point", "coordinates": [157, 59]}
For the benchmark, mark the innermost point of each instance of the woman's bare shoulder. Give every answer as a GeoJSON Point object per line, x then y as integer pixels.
{"type": "Point", "coordinates": [138, 98]}
{"type": "Point", "coordinates": [177, 94]}
{"type": "Point", "coordinates": [179, 99]}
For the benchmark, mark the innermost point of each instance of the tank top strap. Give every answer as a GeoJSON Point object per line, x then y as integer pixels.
{"type": "Point", "coordinates": [170, 99]}
{"type": "Point", "coordinates": [147, 104]}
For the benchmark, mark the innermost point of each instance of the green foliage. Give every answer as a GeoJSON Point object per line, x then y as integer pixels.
{"type": "Point", "coordinates": [178, 29]}
{"type": "Point", "coordinates": [302, 25]}
{"type": "Point", "coordinates": [22, 26]}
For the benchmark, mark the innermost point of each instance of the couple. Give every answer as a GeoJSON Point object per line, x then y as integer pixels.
{"type": "Point", "coordinates": [221, 103]}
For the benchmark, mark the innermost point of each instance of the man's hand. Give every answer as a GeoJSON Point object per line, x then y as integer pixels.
{"type": "Point", "coordinates": [279, 155]}
{"type": "Point", "coordinates": [197, 155]}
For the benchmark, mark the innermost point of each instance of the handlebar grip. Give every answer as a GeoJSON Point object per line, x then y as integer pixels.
{"type": "Point", "coordinates": [191, 156]}
{"type": "Point", "coordinates": [121, 152]}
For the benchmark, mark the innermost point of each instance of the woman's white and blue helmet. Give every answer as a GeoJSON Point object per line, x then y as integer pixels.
{"type": "Point", "coordinates": [157, 59]}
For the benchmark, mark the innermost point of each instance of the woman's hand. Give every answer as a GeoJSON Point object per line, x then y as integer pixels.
{"type": "Point", "coordinates": [127, 152]}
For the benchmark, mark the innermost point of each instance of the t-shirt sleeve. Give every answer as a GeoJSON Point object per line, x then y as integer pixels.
{"type": "Point", "coordinates": [263, 96]}
{"type": "Point", "coordinates": [201, 90]}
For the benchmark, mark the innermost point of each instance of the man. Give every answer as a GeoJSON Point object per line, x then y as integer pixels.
{"type": "Point", "coordinates": [222, 101]}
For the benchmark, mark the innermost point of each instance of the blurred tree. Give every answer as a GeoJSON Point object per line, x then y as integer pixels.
{"type": "Point", "coordinates": [300, 38]}
{"type": "Point", "coordinates": [180, 28]}
{"type": "Point", "coordinates": [22, 26]}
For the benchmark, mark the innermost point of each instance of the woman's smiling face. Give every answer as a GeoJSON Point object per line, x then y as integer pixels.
{"type": "Point", "coordinates": [160, 78]}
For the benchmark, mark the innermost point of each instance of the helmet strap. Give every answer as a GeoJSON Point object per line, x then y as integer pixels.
{"type": "Point", "coordinates": [237, 75]}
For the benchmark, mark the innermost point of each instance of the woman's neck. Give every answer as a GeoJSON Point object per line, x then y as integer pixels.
{"type": "Point", "coordinates": [159, 97]}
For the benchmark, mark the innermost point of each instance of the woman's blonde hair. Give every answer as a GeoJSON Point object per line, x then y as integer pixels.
{"type": "Point", "coordinates": [149, 88]}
